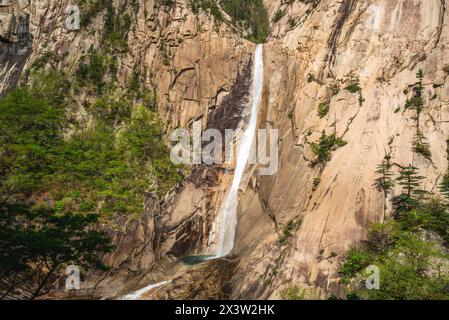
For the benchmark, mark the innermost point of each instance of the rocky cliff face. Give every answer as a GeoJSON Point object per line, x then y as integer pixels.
{"type": "Point", "coordinates": [358, 59]}
{"type": "Point", "coordinates": [331, 44]}
{"type": "Point", "coordinates": [15, 41]}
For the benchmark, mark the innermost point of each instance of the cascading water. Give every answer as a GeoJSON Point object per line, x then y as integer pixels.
{"type": "Point", "coordinates": [228, 215]}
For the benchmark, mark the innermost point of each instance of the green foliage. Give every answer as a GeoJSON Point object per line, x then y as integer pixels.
{"type": "Point", "coordinates": [416, 101]}
{"type": "Point", "coordinates": [334, 88]}
{"type": "Point", "coordinates": [385, 181]}
{"type": "Point", "coordinates": [410, 180]}
{"type": "Point", "coordinates": [355, 262]}
{"type": "Point", "coordinates": [291, 22]}
{"type": "Point", "coordinates": [411, 195]}
{"type": "Point", "coordinates": [278, 15]}
{"type": "Point", "coordinates": [111, 171]}
{"type": "Point", "coordinates": [287, 231]}
{"type": "Point", "coordinates": [249, 15]}
{"type": "Point", "coordinates": [51, 85]}
{"type": "Point", "coordinates": [324, 147]}
{"type": "Point", "coordinates": [90, 9]}
{"type": "Point", "coordinates": [409, 250]}
{"type": "Point", "coordinates": [208, 6]}
{"type": "Point", "coordinates": [36, 242]}
{"type": "Point", "coordinates": [410, 268]}
{"type": "Point", "coordinates": [444, 185]}
{"type": "Point", "coordinates": [381, 238]}
{"type": "Point", "coordinates": [421, 146]}
{"type": "Point", "coordinates": [91, 72]}
{"type": "Point", "coordinates": [323, 109]}
{"type": "Point", "coordinates": [117, 24]}
{"type": "Point", "coordinates": [431, 215]}
{"type": "Point", "coordinates": [311, 77]}
{"type": "Point", "coordinates": [354, 87]}
{"type": "Point", "coordinates": [414, 270]}
{"type": "Point", "coordinates": [29, 137]}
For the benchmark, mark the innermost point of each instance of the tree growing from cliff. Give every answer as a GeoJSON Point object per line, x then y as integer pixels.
{"type": "Point", "coordinates": [410, 180]}
{"type": "Point", "coordinates": [411, 194]}
{"type": "Point", "coordinates": [385, 181]}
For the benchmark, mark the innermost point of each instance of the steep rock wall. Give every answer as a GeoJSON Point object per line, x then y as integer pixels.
{"type": "Point", "coordinates": [382, 44]}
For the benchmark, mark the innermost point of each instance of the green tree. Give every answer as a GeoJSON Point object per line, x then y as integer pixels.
{"type": "Point", "coordinates": [410, 268]}
{"type": "Point", "coordinates": [249, 15]}
{"type": "Point", "coordinates": [30, 133]}
{"type": "Point", "coordinates": [385, 181]}
{"type": "Point", "coordinates": [36, 243]}
{"type": "Point", "coordinates": [412, 194]}
{"type": "Point", "coordinates": [410, 180]}
{"type": "Point", "coordinates": [413, 270]}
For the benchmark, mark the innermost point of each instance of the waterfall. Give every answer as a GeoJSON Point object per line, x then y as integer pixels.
{"type": "Point", "coordinates": [228, 215]}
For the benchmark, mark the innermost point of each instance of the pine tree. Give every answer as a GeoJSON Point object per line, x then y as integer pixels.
{"type": "Point", "coordinates": [411, 196]}
{"type": "Point", "coordinates": [410, 180]}
{"type": "Point", "coordinates": [384, 182]}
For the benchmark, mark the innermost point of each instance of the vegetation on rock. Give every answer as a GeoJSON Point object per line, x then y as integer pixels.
{"type": "Point", "coordinates": [324, 147]}
{"type": "Point", "coordinates": [249, 15]}
{"type": "Point", "coordinates": [410, 250]}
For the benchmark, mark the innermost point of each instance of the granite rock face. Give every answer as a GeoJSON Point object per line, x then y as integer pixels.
{"type": "Point", "coordinates": [316, 51]}
{"type": "Point", "coordinates": [15, 41]}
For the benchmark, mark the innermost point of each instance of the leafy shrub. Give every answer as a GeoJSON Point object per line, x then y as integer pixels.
{"type": "Point", "coordinates": [287, 231]}
{"type": "Point", "coordinates": [421, 146]}
{"type": "Point", "coordinates": [356, 261]}
{"type": "Point", "coordinates": [354, 88]}
{"type": "Point", "coordinates": [311, 77]}
{"type": "Point", "coordinates": [323, 109]}
{"type": "Point", "coordinates": [324, 147]}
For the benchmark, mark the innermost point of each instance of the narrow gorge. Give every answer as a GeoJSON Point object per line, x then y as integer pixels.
{"type": "Point", "coordinates": [98, 97]}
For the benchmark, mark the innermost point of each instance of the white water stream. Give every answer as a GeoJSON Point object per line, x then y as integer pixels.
{"type": "Point", "coordinates": [228, 215]}
{"type": "Point", "coordinates": [136, 295]}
